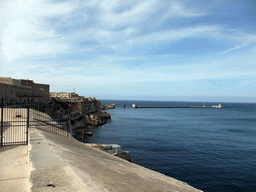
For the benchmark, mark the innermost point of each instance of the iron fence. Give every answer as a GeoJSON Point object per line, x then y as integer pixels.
{"type": "Point", "coordinates": [14, 125]}
{"type": "Point", "coordinates": [17, 119]}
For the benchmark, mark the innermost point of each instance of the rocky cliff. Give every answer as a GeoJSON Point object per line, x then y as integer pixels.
{"type": "Point", "coordinates": [106, 107]}
{"type": "Point", "coordinates": [83, 111]}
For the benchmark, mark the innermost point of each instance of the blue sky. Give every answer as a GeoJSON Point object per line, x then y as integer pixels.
{"type": "Point", "coordinates": [155, 49]}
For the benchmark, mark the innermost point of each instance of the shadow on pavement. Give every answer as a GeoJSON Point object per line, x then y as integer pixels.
{"type": "Point", "coordinates": [6, 148]}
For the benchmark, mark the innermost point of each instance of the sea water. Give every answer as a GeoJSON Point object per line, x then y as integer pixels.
{"type": "Point", "coordinates": [210, 149]}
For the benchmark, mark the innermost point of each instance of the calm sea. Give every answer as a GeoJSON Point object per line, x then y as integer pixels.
{"type": "Point", "coordinates": [210, 149]}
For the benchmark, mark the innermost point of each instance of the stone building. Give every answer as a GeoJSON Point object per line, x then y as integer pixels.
{"type": "Point", "coordinates": [64, 95]}
{"type": "Point", "coordinates": [20, 90]}
{"type": "Point", "coordinates": [79, 103]}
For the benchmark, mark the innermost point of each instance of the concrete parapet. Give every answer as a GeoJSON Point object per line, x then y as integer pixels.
{"type": "Point", "coordinates": [69, 165]}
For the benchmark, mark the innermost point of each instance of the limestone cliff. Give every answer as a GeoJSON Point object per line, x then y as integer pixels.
{"type": "Point", "coordinates": [83, 111]}
{"type": "Point", "coordinates": [106, 107]}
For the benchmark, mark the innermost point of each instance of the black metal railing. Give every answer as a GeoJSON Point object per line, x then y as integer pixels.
{"type": "Point", "coordinates": [16, 119]}
{"type": "Point", "coordinates": [43, 121]}
{"type": "Point", "coordinates": [14, 125]}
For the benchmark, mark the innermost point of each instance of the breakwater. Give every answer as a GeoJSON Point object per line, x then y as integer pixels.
{"type": "Point", "coordinates": [214, 106]}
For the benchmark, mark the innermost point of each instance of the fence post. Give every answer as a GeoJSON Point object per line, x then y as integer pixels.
{"type": "Point", "coordinates": [27, 124]}
{"type": "Point", "coordinates": [69, 123]}
{"type": "Point", "coordinates": [2, 120]}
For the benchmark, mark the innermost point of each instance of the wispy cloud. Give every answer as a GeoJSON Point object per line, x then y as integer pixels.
{"type": "Point", "coordinates": [240, 39]}
{"type": "Point", "coordinates": [47, 28]}
{"type": "Point", "coordinates": [178, 9]}
{"type": "Point", "coordinates": [24, 33]}
{"type": "Point", "coordinates": [29, 41]}
{"type": "Point", "coordinates": [174, 35]}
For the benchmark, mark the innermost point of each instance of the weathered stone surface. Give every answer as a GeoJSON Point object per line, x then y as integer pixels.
{"type": "Point", "coordinates": [106, 107]}
{"type": "Point", "coordinates": [98, 118]}
{"type": "Point", "coordinates": [83, 111]}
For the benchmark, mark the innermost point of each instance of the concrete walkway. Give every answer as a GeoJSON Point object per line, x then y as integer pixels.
{"type": "Point", "coordinates": [60, 164]}
{"type": "Point", "coordinates": [14, 168]}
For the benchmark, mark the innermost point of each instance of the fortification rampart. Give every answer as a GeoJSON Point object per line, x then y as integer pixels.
{"type": "Point", "coordinates": [20, 91]}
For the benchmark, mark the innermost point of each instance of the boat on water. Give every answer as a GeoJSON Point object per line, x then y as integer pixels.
{"type": "Point", "coordinates": [113, 149]}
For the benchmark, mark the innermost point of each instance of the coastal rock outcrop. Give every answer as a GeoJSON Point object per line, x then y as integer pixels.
{"type": "Point", "coordinates": [99, 118]}
{"type": "Point", "coordinates": [106, 107]}
{"type": "Point", "coordinates": [82, 111]}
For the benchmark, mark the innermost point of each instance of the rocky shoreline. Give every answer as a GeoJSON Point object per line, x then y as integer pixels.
{"type": "Point", "coordinates": [106, 107]}
{"type": "Point", "coordinates": [83, 113]}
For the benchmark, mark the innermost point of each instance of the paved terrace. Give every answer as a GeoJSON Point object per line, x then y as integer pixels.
{"type": "Point", "coordinates": [54, 163]}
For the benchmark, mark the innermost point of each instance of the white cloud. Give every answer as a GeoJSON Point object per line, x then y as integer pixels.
{"type": "Point", "coordinates": [174, 35]}
{"type": "Point", "coordinates": [23, 39]}
{"type": "Point", "coordinates": [24, 33]}
{"type": "Point", "coordinates": [137, 13]}
{"type": "Point", "coordinates": [134, 13]}
{"type": "Point", "coordinates": [242, 40]}
{"type": "Point", "coordinates": [37, 27]}
{"type": "Point", "coordinates": [178, 9]}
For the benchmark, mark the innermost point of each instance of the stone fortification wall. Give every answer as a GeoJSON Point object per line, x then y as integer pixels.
{"type": "Point", "coordinates": [36, 86]}
{"type": "Point", "coordinates": [89, 105]}
{"type": "Point", "coordinates": [42, 87]}
{"type": "Point", "coordinates": [81, 105]}
{"type": "Point", "coordinates": [64, 95]}
{"type": "Point", "coordinates": [19, 94]}
{"type": "Point", "coordinates": [9, 81]}
{"type": "Point", "coordinates": [20, 90]}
